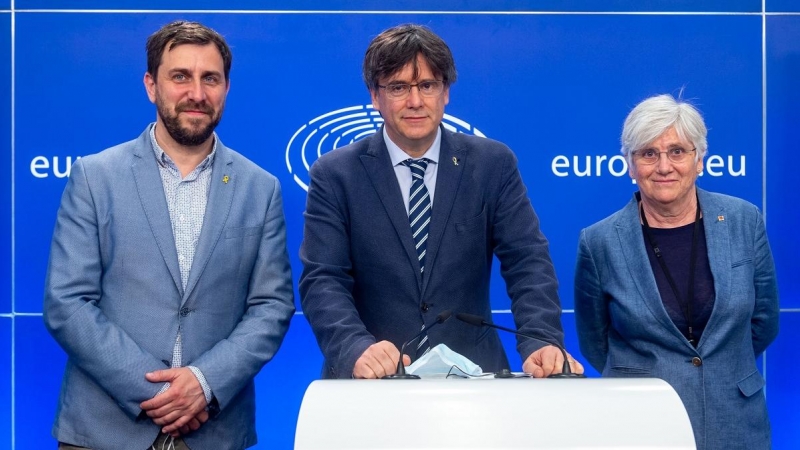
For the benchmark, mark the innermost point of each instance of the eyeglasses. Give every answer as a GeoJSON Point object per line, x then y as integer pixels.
{"type": "Point", "coordinates": [651, 156]}
{"type": "Point", "coordinates": [399, 91]}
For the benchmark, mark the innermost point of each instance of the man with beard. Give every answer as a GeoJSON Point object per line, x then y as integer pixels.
{"type": "Point", "coordinates": [169, 284]}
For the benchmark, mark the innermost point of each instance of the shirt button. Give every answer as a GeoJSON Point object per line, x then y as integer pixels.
{"type": "Point", "coordinates": [697, 362]}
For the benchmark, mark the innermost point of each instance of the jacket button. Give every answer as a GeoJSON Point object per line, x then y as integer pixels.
{"type": "Point", "coordinates": [184, 311]}
{"type": "Point", "coordinates": [425, 307]}
{"type": "Point", "coordinates": [697, 362]}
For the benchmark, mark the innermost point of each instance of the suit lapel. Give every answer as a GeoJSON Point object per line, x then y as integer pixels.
{"type": "Point", "coordinates": [632, 246]}
{"type": "Point", "coordinates": [719, 258]}
{"type": "Point", "coordinates": [220, 199]}
{"type": "Point", "coordinates": [379, 169]}
{"type": "Point", "coordinates": [151, 194]}
{"type": "Point", "coordinates": [448, 178]}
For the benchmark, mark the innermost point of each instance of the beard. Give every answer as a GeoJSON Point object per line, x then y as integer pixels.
{"type": "Point", "coordinates": [195, 134]}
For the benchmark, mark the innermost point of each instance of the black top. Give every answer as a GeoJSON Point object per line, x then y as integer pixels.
{"type": "Point", "coordinates": [676, 248]}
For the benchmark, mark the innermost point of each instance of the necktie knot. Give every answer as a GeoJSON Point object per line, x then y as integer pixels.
{"type": "Point", "coordinates": [417, 166]}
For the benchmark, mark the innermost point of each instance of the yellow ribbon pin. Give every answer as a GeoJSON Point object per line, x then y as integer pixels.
{"type": "Point", "coordinates": [225, 179]}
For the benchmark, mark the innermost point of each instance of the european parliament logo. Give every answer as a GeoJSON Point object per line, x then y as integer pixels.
{"type": "Point", "coordinates": [339, 128]}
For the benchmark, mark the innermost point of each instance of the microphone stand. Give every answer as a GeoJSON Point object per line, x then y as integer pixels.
{"type": "Point", "coordinates": [566, 371]}
{"type": "Point", "coordinates": [400, 373]}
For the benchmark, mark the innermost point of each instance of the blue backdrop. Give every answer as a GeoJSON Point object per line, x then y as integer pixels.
{"type": "Point", "coordinates": [552, 79]}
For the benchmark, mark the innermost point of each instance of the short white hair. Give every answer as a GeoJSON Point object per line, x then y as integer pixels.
{"type": "Point", "coordinates": [654, 116]}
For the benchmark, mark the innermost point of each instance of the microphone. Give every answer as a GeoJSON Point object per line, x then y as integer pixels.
{"type": "Point", "coordinates": [478, 321]}
{"type": "Point", "coordinates": [400, 373]}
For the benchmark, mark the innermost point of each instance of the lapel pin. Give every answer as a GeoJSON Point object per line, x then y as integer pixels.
{"type": "Point", "coordinates": [225, 179]}
{"type": "Point", "coordinates": [720, 218]}
{"type": "Point", "coordinates": [455, 161]}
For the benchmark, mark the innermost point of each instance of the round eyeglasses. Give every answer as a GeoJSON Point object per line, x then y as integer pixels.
{"type": "Point", "coordinates": [399, 91]}
{"type": "Point", "coordinates": [651, 156]}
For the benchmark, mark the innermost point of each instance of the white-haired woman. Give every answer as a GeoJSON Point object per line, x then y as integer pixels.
{"type": "Point", "coordinates": [680, 283]}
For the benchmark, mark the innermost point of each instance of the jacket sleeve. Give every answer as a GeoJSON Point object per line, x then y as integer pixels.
{"type": "Point", "coordinates": [591, 308]}
{"type": "Point", "coordinates": [525, 262]}
{"type": "Point", "coordinates": [764, 323]}
{"type": "Point", "coordinates": [72, 292]}
{"type": "Point", "coordinates": [326, 284]}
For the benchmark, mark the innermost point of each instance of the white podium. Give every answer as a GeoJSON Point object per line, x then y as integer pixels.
{"type": "Point", "coordinates": [517, 413]}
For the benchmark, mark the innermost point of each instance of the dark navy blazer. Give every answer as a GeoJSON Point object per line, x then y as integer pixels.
{"type": "Point", "coordinates": [361, 280]}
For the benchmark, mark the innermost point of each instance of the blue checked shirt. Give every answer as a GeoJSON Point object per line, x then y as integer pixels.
{"type": "Point", "coordinates": [186, 201]}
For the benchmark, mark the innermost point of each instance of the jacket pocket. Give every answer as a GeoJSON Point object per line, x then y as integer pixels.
{"type": "Point", "coordinates": [474, 222]}
{"type": "Point", "coordinates": [628, 371]}
{"type": "Point", "coordinates": [751, 384]}
{"type": "Point", "coordinates": [741, 263]}
{"type": "Point", "coordinates": [233, 233]}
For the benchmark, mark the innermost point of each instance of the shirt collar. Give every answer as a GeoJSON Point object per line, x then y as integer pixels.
{"type": "Point", "coordinates": [164, 160]}
{"type": "Point", "coordinates": [398, 156]}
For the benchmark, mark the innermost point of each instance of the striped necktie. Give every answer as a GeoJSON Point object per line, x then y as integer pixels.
{"type": "Point", "coordinates": [419, 216]}
{"type": "Point", "coordinates": [419, 207]}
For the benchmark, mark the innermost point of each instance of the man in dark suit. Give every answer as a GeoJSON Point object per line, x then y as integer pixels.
{"type": "Point", "coordinates": [403, 225]}
{"type": "Point", "coordinates": [169, 285]}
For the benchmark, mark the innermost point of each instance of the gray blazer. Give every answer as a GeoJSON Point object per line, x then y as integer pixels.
{"type": "Point", "coordinates": [114, 298]}
{"type": "Point", "coordinates": [361, 280]}
{"type": "Point", "coordinates": [624, 330]}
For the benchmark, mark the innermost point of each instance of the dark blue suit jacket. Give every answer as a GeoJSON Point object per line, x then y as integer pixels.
{"type": "Point", "coordinates": [361, 281]}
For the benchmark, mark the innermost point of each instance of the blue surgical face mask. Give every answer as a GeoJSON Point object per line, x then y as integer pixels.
{"type": "Point", "coordinates": [440, 360]}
